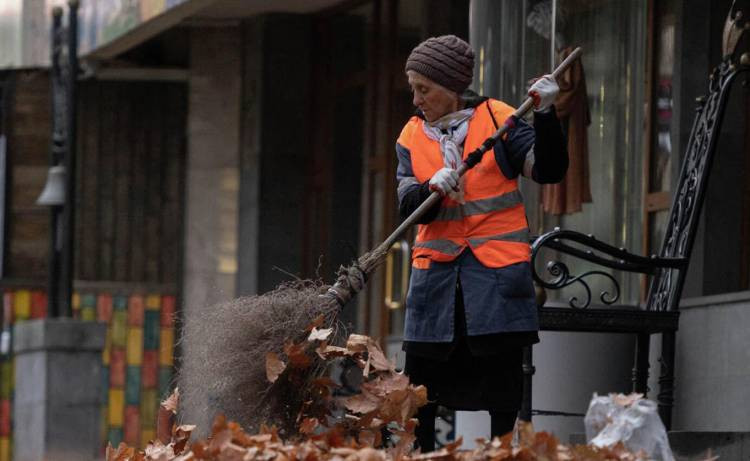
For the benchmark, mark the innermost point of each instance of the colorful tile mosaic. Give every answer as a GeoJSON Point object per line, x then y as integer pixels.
{"type": "Point", "coordinates": [137, 359]}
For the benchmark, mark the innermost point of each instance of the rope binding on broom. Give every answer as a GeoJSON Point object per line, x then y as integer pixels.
{"type": "Point", "coordinates": [349, 282]}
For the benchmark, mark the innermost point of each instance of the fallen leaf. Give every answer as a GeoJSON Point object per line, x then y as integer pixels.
{"type": "Point", "coordinates": [308, 425]}
{"type": "Point", "coordinates": [405, 440]}
{"type": "Point", "coordinates": [362, 403]}
{"type": "Point", "coordinates": [298, 358]}
{"type": "Point", "coordinates": [318, 321]}
{"type": "Point", "coordinates": [626, 400]}
{"type": "Point", "coordinates": [122, 453]}
{"type": "Point", "coordinates": [320, 335]}
{"type": "Point", "coordinates": [181, 437]}
{"type": "Point", "coordinates": [357, 343]}
{"type": "Point", "coordinates": [376, 357]}
{"type": "Point", "coordinates": [165, 417]}
{"type": "Point", "coordinates": [368, 438]}
{"type": "Point", "coordinates": [274, 367]}
{"type": "Point", "coordinates": [157, 451]}
{"type": "Point", "coordinates": [386, 383]}
{"type": "Point", "coordinates": [369, 454]}
{"type": "Point", "coordinates": [171, 402]}
{"type": "Point", "coordinates": [326, 352]}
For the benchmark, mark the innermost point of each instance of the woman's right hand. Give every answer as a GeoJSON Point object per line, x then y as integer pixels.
{"type": "Point", "coordinates": [444, 181]}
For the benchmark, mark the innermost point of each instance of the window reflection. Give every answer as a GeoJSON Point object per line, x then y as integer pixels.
{"type": "Point", "coordinates": [514, 38]}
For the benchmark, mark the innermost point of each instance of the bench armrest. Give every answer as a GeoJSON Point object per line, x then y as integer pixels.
{"type": "Point", "coordinates": [587, 247]}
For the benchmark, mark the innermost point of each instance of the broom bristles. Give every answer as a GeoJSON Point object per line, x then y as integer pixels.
{"type": "Point", "coordinates": [224, 349]}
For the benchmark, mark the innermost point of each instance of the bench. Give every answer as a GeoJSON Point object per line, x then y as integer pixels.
{"type": "Point", "coordinates": [667, 270]}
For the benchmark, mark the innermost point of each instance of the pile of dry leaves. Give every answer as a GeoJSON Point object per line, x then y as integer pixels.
{"type": "Point", "coordinates": [375, 424]}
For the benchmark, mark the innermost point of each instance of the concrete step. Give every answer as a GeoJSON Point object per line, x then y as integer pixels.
{"type": "Point", "coordinates": [693, 446]}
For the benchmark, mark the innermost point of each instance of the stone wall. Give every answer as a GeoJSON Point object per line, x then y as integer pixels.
{"type": "Point", "coordinates": [712, 375]}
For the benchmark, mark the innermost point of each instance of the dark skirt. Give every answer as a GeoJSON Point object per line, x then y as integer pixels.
{"type": "Point", "coordinates": [472, 372]}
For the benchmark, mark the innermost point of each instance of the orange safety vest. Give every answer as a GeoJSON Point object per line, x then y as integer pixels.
{"type": "Point", "coordinates": [492, 221]}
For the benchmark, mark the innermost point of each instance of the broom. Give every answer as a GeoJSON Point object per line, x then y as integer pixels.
{"type": "Point", "coordinates": [224, 347]}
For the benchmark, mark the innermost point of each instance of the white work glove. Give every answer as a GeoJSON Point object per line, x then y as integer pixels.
{"type": "Point", "coordinates": [544, 92]}
{"type": "Point", "coordinates": [444, 181]}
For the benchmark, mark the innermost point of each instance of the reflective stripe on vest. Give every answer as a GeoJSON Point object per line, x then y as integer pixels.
{"type": "Point", "coordinates": [521, 235]}
{"type": "Point", "coordinates": [452, 248]}
{"type": "Point", "coordinates": [492, 220]}
{"type": "Point", "coordinates": [481, 206]}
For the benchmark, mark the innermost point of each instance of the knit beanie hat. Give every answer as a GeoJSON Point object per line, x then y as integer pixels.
{"type": "Point", "coordinates": [446, 60]}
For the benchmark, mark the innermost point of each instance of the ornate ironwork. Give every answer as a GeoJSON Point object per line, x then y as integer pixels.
{"type": "Point", "coordinates": [445, 427]}
{"type": "Point", "coordinates": [683, 220]}
{"type": "Point", "coordinates": [597, 252]}
{"type": "Point", "coordinates": [562, 279]}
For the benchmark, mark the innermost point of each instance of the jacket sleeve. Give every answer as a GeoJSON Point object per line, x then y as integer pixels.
{"type": "Point", "coordinates": [411, 193]}
{"type": "Point", "coordinates": [539, 153]}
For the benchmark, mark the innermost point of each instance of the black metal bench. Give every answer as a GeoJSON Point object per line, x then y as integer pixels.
{"type": "Point", "coordinates": [667, 271]}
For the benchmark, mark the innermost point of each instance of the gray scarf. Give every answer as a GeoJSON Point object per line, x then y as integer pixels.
{"type": "Point", "coordinates": [450, 131]}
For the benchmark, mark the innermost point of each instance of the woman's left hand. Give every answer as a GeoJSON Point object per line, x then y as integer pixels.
{"type": "Point", "coordinates": [544, 92]}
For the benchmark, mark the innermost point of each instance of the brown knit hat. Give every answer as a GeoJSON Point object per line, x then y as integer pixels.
{"type": "Point", "coordinates": [446, 60]}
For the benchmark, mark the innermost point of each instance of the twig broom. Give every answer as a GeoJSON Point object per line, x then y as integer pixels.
{"type": "Point", "coordinates": [224, 347]}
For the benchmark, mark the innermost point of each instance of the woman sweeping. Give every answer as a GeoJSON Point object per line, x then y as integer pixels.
{"type": "Point", "coordinates": [470, 308]}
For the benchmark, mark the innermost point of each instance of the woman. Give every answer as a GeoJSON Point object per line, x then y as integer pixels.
{"type": "Point", "coordinates": [470, 308]}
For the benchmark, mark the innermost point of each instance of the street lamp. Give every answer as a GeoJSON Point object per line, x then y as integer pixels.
{"type": "Point", "coordinates": [59, 190]}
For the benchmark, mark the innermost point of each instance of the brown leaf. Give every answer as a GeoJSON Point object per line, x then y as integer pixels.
{"type": "Point", "coordinates": [387, 382]}
{"type": "Point", "coordinates": [164, 423]}
{"type": "Point", "coordinates": [420, 395]}
{"type": "Point", "coordinates": [123, 452]}
{"type": "Point", "coordinates": [438, 454]}
{"type": "Point", "coordinates": [405, 442]}
{"type": "Point", "coordinates": [157, 451]}
{"type": "Point", "coordinates": [627, 400]}
{"type": "Point", "coordinates": [362, 403]}
{"type": "Point", "coordinates": [308, 425]}
{"type": "Point", "coordinates": [171, 403]}
{"type": "Point", "coordinates": [453, 446]}
{"type": "Point", "coordinates": [376, 357]}
{"type": "Point", "coordinates": [320, 335]}
{"type": "Point", "coordinates": [368, 438]}
{"type": "Point", "coordinates": [274, 367]}
{"type": "Point", "coordinates": [357, 343]}
{"type": "Point", "coordinates": [366, 368]}
{"type": "Point", "coordinates": [369, 454]}
{"type": "Point", "coordinates": [326, 352]}
{"type": "Point", "coordinates": [325, 381]}
{"type": "Point", "coordinates": [318, 321]}
{"type": "Point", "coordinates": [181, 437]}
{"type": "Point", "coordinates": [298, 358]}
{"type": "Point", "coordinates": [219, 440]}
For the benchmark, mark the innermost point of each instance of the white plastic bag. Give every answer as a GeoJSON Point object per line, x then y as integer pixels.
{"type": "Point", "coordinates": [629, 419]}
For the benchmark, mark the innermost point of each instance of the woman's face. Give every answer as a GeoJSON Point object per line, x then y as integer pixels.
{"type": "Point", "coordinates": [432, 99]}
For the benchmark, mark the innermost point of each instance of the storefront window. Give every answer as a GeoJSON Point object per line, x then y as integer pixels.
{"type": "Point", "coordinates": [602, 194]}
{"type": "Point", "coordinates": [663, 124]}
